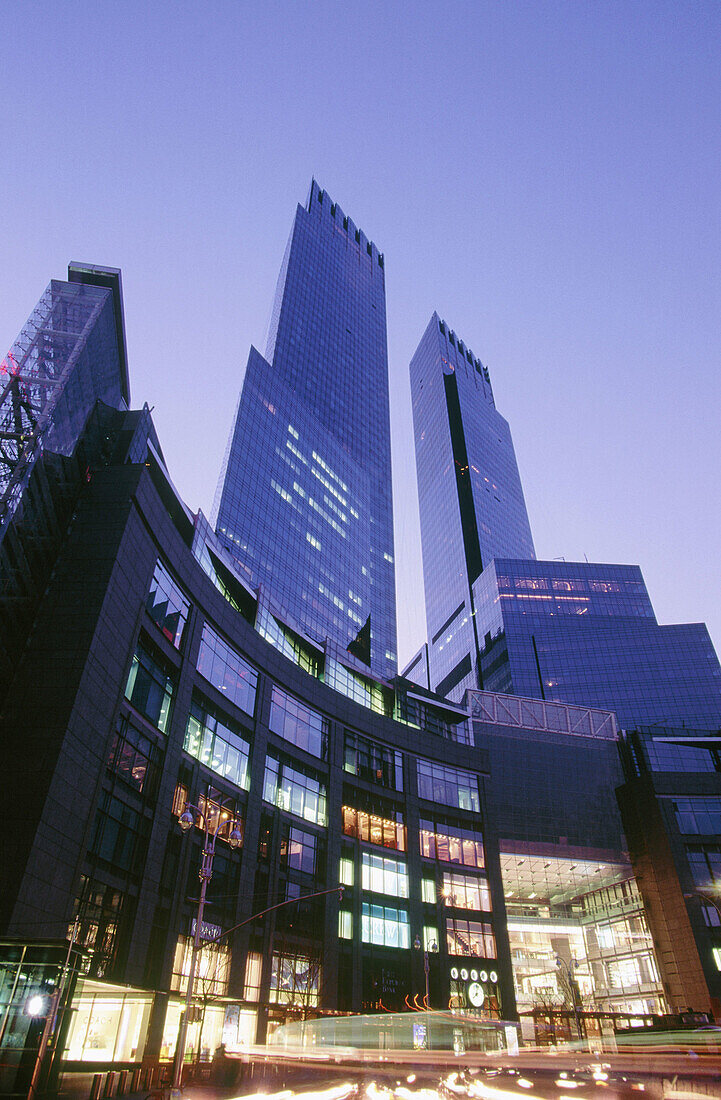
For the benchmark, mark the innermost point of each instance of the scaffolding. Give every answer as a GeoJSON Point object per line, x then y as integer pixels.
{"type": "Point", "coordinates": [33, 377]}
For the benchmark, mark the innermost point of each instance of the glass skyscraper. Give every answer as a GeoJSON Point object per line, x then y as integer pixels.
{"type": "Point", "coordinates": [575, 632]}
{"type": "Point", "coordinates": [471, 502]}
{"type": "Point", "coordinates": [304, 503]}
{"type": "Point", "coordinates": [586, 633]}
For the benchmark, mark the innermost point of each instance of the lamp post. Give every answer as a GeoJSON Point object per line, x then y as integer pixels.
{"type": "Point", "coordinates": [569, 967]}
{"type": "Point", "coordinates": [426, 968]}
{"type": "Point", "coordinates": [213, 825]}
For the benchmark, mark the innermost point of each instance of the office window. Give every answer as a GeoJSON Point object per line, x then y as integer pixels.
{"type": "Point", "coordinates": [448, 786]}
{"type": "Point", "coordinates": [294, 979]}
{"type": "Point", "coordinates": [150, 687]}
{"type": "Point", "coordinates": [468, 937]}
{"type": "Point", "coordinates": [384, 926]}
{"type": "Point", "coordinates": [295, 791]}
{"type": "Point", "coordinates": [384, 875]}
{"type": "Point", "coordinates": [216, 741]}
{"type": "Point", "coordinates": [134, 757]}
{"type": "Point", "coordinates": [299, 850]}
{"type": "Point", "coordinates": [387, 831]}
{"type": "Point", "coordinates": [705, 863]}
{"type": "Point", "coordinates": [698, 815]}
{"type": "Point", "coordinates": [428, 891]}
{"type": "Point", "coordinates": [346, 873]}
{"type": "Point", "coordinates": [345, 924]}
{"type": "Point", "coordinates": [451, 844]}
{"type": "Point", "coordinates": [298, 723]}
{"type": "Point", "coordinates": [466, 892]}
{"type": "Point", "coordinates": [167, 605]}
{"type": "Point", "coordinates": [226, 670]}
{"type": "Point", "coordinates": [372, 761]}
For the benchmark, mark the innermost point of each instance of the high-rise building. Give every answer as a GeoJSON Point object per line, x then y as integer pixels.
{"type": "Point", "coordinates": [70, 353]}
{"type": "Point", "coordinates": [587, 634]}
{"type": "Point", "coordinates": [471, 501]}
{"type": "Point", "coordinates": [479, 846]}
{"type": "Point", "coordinates": [304, 502]}
{"type": "Point", "coordinates": [576, 632]}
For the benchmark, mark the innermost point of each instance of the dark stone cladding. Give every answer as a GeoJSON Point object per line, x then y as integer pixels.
{"type": "Point", "coordinates": [59, 717]}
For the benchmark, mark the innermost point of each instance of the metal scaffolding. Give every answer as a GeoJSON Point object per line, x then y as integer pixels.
{"type": "Point", "coordinates": [33, 377]}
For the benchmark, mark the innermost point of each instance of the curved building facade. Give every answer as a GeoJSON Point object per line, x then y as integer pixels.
{"type": "Point", "coordinates": [170, 682]}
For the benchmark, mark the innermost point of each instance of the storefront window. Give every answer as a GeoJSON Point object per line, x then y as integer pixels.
{"type": "Point", "coordinates": [108, 1027]}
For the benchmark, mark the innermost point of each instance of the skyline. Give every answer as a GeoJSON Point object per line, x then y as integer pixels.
{"type": "Point", "coordinates": [586, 242]}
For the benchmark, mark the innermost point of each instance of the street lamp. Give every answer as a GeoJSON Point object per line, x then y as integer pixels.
{"type": "Point", "coordinates": [705, 897]}
{"type": "Point", "coordinates": [569, 967]}
{"type": "Point", "coordinates": [426, 968]}
{"type": "Point", "coordinates": [221, 818]}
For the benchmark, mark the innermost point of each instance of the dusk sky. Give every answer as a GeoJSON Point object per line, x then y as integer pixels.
{"type": "Point", "coordinates": [546, 175]}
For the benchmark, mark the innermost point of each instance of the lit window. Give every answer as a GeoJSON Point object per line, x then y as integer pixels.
{"type": "Point", "coordinates": [226, 670]}
{"type": "Point", "coordinates": [428, 891]}
{"type": "Point", "coordinates": [384, 926]}
{"type": "Point", "coordinates": [384, 875]}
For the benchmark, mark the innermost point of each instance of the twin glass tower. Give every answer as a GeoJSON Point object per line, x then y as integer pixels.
{"type": "Point", "coordinates": [305, 500]}
{"type": "Point", "coordinates": [304, 506]}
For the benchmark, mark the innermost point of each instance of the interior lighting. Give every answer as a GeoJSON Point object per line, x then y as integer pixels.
{"type": "Point", "coordinates": [35, 1005]}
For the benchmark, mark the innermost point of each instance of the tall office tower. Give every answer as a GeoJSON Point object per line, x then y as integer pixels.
{"type": "Point", "coordinates": [471, 501]}
{"type": "Point", "coordinates": [304, 503]}
{"type": "Point", "coordinates": [586, 633]}
{"type": "Point", "coordinates": [70, 353]}
{"type": "Point", "coordinates": [572, 632]}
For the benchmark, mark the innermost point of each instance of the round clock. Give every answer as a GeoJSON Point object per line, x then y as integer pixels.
{"type": "Point", "coordinates": [475, 994]}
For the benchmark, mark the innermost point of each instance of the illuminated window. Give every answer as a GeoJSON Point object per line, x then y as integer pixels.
{"type": "Point", "coordinates": [294, 979]}
{"type": "Point", "coordinates": [298, 723]}
{"type": "Point", "coordinates": [150, 688]}
{"type": "Point", "coordinates": [216, 741]}
{"type": "Point", "coordinates": [253, 968]}
{"type": "Point", "coordinates": [386, 831]}
{"type": "Point", "coordinates": [451, 844]}
{"type": "Point", "coordinates": [345, 924]}
{"type": "Point", "coordinates": [212, 967]}
{"type": "Point", "coordinates": [428, 891]}
{"type": "Point", "coordinates": [384, 926]}
{"type": "Point", "coordinates": [430, 938]}
{"type": "Point", "coordinates": [466, 892]}
{"type": "Point", "coordinates": [288, 642]}
{"type": "Point", "coordinates": [448, 786]}
{"type": "Point", "coordinates": [384, 875]}
{"type": "Point", "coordinates": [346, 871]}
{"type": "Point", "coordinates": [470, 938]}
{"type": "Point", "coordinates": [134, 757]}
{"type": "Point", "coordinates": [295, 791]}
{"type": "Point", "coordinates": [226, 670]}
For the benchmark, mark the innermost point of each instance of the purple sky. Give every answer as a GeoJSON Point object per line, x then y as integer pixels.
{"type": "Point", "coordinates": [545, 175]}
